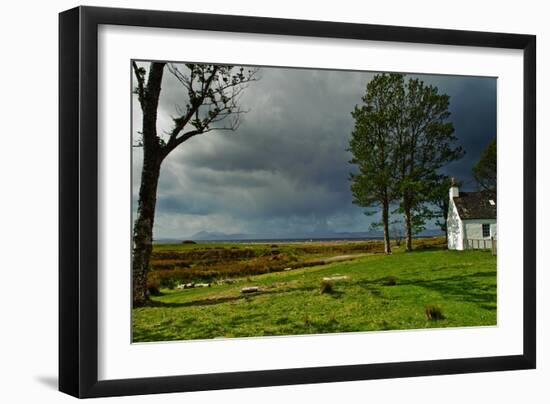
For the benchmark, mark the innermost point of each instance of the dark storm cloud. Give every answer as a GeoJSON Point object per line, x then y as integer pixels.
{"type": "Point", "coordinates": [298, 126]}
{"type": "Point", "coordinates": [473, 107]}
{"type": "Point", "coordinates": [285, 170]}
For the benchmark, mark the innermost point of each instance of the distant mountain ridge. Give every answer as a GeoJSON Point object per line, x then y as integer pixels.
{"type": "Point", "coordinates": [220, 236]}
{"type": "Point", "coordinates": [208, 235]}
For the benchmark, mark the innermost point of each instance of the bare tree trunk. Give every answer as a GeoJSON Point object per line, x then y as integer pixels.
{"type": "Point", "coordinates": [143, 231]}
{"type": "Point", "coordinates": [152, 158]}
{"type": "Point", "coordinates": [385, 221]}
{"type": "Point", "coordinates": [201, 91]}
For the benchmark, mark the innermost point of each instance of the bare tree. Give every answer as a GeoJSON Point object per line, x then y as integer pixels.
{"type": "Point", "coordinates": [211, 103]}
{"type": "Point", "coordinates": [397, 231]}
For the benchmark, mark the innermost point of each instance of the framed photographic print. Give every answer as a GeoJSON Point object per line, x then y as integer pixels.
{"type": "Point", "coordinates": [251, 201]}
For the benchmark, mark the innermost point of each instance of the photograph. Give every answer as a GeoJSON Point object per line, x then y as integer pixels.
{"type": "Point", "coordinates": [251, 200]}
{"type": "Point", "coordinates": [280, 201]}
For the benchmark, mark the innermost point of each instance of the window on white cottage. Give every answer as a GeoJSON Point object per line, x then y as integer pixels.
{"type": "Point", "coordinates": [486, 230]}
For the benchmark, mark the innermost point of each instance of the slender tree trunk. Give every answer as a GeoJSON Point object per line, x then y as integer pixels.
{"type": "Point", "coordinates": [143, 230]}
{"type": "Point", "coordinates": [408, 225]}
{"type": "Point", "coordinates": [152, 158]}
{"type": "Point", "coordinates": [385, 221]}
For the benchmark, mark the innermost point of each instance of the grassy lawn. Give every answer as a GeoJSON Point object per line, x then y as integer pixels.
{"type": "Point", "coordinates": [378, 293]}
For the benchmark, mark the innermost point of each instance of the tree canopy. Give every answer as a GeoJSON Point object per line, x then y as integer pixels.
{"type": "Point", "coordinates": [374, 148]}
{"type": "Point", "coordinates": [401, 139]}
{"type": "Point", "coordinates": [485, 170]}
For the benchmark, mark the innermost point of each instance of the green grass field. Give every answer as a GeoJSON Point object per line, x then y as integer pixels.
{"type": "Point", "coordinates": [378, 292]}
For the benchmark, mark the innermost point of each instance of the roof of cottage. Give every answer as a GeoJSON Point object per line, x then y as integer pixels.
{"type": "Point", "coordinates": [476, 205]}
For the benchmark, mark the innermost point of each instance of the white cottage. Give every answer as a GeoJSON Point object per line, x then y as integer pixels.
{"type": "Point", "coordinates": [471, 219]}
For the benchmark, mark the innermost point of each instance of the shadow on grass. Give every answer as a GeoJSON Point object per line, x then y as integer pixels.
{"type": "Point", "coordinates": [459, 287]}
{"type": "Point", "coordinates": [423, 248]}
{"type": "Point", "coordinates": [335, 294]}
{"type": "Point", "coordinates": [225, 299]}
{"type": "Point", "coordinates": [490, 307]}
{"type": "Point", "coordinates": [197, 303]}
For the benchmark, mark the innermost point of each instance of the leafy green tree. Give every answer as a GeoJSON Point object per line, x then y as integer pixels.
{"type": "Point", "coordinates": [401, 140]}
{"type": "Point", "coordinates": [210, 95]}
{"type": "Point", "coordinates": [373, 147]}
{"type": "Point", "coordinates": [426, 143]}
{"type": "Point", "coordinates": [485, 170]}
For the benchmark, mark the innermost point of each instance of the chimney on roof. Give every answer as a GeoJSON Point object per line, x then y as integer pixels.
{"type": "Point", "coordinates": [453, 191]}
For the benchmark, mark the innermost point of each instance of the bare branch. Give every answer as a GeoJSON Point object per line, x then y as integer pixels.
{"type": "Point", "coordinates": [140, 79]}
{"type": "Point", "coordinates": [213, 95]}
{"type": "Point", "coordinates": [196, 102]}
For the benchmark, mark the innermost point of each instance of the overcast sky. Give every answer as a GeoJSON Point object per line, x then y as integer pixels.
{"type": "Point", "coordinates": [285, 170]}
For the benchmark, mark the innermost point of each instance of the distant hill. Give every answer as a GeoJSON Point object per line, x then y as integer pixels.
{"type": "Point", "coordinates": [219, 236]}
{"type": "Point", "coordinates": [207, 235]}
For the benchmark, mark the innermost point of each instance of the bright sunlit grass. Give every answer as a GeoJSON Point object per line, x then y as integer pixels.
{"type": "Point", "coordinates": [374, 292]}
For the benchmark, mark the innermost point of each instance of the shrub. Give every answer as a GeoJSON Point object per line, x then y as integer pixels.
{"type": "Point", "coordinates": [153, 286]}
{"type": "Point", "coordinates": [326, 287]}
{"type": "Point", "coordinates": [434, 313]}
{"type": "Point", "coordinates": [389, 281]}
{"type": "Point", "coordinates": [169, 283]}
{"type": "Point", "coordinates": [170, 264]}
{"type": "Point", "coordinates": [189, 242]}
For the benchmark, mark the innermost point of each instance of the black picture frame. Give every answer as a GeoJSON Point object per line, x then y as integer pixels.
{"type": "Point", "coordinates": [78, 201]}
